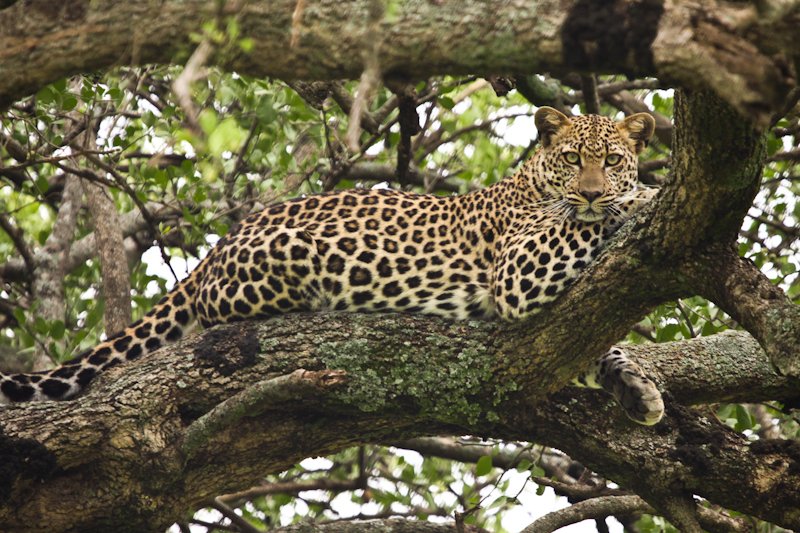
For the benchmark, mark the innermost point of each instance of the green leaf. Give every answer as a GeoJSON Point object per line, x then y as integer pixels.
{"type": "Point", "coordinates": [483, 466]}
{"type": "Point", "coordinates": [743, 419]}
{"type": "Point", "coordinates": [68, 102]}
{"type": "Point", "coordinates": [19, 314]}
{"type": "Point", "coordinates": [57, 329]}
{"type": "Point", "coordinates": [46, 95]}
{"type": "Point", "coordinates": [41, 326]}
{"type": "Point", "coordinates": [446, 102]}
{"type": "Point", "coordinates": [207, 120]}
{"type": "Point", "coordinates": [523, 466]}
{"type": "Point", "coordinates": [246, 44]}
{"type": "Point", "coordinates": [227, 136]}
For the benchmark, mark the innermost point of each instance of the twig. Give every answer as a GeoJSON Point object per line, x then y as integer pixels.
{"type": "Point", "coordinates": [590, 97]}
{"type": "Point", "coordinates": [14, 149]}
{"type": "Point", "coordinates": [792, 129]}
{"type": "Point", "coordinates": [369, 77]}
{"type": "Point", "coordinates": [779, 226]}
{"type": "Point", "coordinates": [409, 126]}
{"type": "Point", "coordinates": [580, 490]}
{"type": "Point", "coordinates": [192, 72]}
{"type": "Point", "coordinates": [313, 92]}
{"type": "Point", "coordinates": [297, 22]}
{"type": "Point", "coordinates": [435, 140]}
{"type": "Point", "coordinates": [686, 318]}
{"type": "Point", "coordinates": [606, 89]}
{"type": "Point", "coordinates": [345, 102]}
{"type": "Point", "coordinates": [554, 465]}
{"type": "Point", "coordinates": [604, 506]}
{"type": "Point", "coordinates": [81, 250]}
{"type": "Point", "coordinates": [210, 526]}
{"type": "Point", "coordinates": [377, 172]}
{"type": "Point", "coordinates": [19, 241]}
{"type": "Point", "coordinates": [231, 515]}
{"type": "Point", "coordinates": [281, 487]}
{"type": "Point", "coordinates": [791, 101]}
{"type": "Point", "coordinates": [589, 509]}
{"type": "Point", "coordinates": [471, 89]}
{"type": "Point", "coordinates": [54, 160]}
{"type": "Point", "coordinates": [122, 183]}
{"type": "Point", "coordinates": [788, 155]}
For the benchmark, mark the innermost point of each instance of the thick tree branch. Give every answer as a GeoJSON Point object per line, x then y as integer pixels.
{"type": "Point", "coordinates": [407, 376]}
{"type": "Point", "coordinates": [746, 56]}
{"type": "Point", "coordinates": [751, 299]}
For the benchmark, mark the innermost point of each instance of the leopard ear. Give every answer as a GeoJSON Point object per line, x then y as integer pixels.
{"type": "Point", "coordinates": [638, 129]}
{"type": "Point", "coordinates": [549, 122]}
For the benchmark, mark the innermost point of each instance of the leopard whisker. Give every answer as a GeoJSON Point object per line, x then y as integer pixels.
{"type": "Point", "coordinates": [554, 208]}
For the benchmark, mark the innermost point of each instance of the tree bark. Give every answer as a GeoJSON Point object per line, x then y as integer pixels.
{"type": "Point", "coordinates": [150, 440]}
{"type": "Point", "coordinates": [746, 53]}
{"type": "Point", "coordinates": [110, 248]}
{"type": "Point", "coordinates": [109, 240]}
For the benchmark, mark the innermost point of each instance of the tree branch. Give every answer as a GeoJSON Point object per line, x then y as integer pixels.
{"type": "Point", "coordinates": [110, 246]}
{"type": "Point", "coordinates": [605, 506]}
{"type": "Point", "coordinates": [744, 56]}
{"type": "Point", "coordinates": [254, 400]}
{"type": "Point", "coordinates": [16, 236]}
{"type": "Point", "coordinates": [751, 299]}
{"type": "Point", "coordinates": [408, 376]}
{"type": "Point", "coordinates": [391, 525]}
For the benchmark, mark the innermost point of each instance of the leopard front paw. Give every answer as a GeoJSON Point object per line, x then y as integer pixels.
{"type": "Point", "coordinates": [639, 397]}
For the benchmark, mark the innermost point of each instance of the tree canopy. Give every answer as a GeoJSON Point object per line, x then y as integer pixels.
{"type": "Point", "coordinates": [136, 134]}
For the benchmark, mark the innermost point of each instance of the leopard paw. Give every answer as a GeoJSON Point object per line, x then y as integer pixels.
{"type": "Point", "coordinates": [639, 397]}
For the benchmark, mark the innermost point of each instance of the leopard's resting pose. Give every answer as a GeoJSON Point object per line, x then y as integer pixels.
{"type": "Point", "coordinates": [504, 251]}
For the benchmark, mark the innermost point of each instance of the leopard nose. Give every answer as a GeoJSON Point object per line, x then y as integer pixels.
{"type": "Point", "coordinates": [591, 194]}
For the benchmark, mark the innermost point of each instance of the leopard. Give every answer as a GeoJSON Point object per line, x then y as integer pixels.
{"type": "Point", "coordinates": [503, 252]}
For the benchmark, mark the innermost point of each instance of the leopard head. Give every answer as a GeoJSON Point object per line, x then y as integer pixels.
{"type": "Point", "coordinates": [586, 163]}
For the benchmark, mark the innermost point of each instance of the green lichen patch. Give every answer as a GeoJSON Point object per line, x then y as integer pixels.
{"type": "Point", "coordinates": [443, 379]}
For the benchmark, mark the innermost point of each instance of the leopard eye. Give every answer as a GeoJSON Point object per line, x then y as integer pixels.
{"type": "Point", "coordinates": [572, 158]}
{"type": "Point", "coordinates": [613, 159]}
